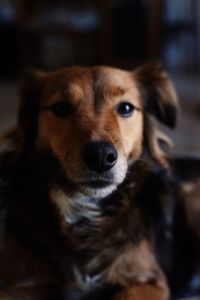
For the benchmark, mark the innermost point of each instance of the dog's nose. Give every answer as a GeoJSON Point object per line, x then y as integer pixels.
{"type": "Point", "coordinates": [99, 156]}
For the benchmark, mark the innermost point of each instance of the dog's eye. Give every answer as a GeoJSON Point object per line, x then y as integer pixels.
{"type": "Point", "coordinates": [125, 109]}
{"type": "Point", "coordinates": [62, 109]}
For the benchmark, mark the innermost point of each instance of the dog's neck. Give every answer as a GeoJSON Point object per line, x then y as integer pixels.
{"type": "Point", "coordinates": [75, 207]}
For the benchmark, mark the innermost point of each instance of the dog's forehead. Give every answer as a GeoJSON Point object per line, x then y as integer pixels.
{"type": "Point", "coordinates": [108, 77]}
{"type": "Point", "coordinates": [77, 81]}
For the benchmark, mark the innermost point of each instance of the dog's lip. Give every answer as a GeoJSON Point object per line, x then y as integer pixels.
{"type": "Point", "coordinates": [98, 183]}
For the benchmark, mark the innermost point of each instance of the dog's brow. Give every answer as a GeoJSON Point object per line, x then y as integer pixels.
{"type": "Point", "coordinates": [116, 91]}
{"type": "Point", "coordinates": [66, 91]}
{"type": "Point", "coordinates": [70, 89]}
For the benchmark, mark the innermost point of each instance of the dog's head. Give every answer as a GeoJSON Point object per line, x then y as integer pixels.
{"type": "Point", "coordinates": [95, 121]}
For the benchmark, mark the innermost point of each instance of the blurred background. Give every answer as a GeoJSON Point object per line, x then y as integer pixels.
{"type": "Point", "coordinates": [50, 34]}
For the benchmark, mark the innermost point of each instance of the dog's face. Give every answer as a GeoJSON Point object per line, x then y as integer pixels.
{"type": "Point", "coordinates": [92, 120]}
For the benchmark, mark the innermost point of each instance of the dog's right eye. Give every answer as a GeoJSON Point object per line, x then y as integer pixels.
{"type": "Point", "coordinates": [62, 109]}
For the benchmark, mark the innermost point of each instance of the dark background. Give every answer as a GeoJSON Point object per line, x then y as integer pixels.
{"type": "Point", "coordinates": [49, 34]}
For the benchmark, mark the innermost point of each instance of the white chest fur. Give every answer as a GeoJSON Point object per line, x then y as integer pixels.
{"type": "Point", "coordinates": [76, 207]}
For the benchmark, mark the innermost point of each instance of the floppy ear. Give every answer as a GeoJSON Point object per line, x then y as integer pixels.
{"type": "Point", "coordinates": [30, 92]}
{"type": "Point", "coordinates": [158, 93]}
{"type": "Point", "coordinates": [159, 102]}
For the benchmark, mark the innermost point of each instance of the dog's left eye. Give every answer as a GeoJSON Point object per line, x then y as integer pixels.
{"type": "Point", "coordinates": [62, 109]}
{"type": "Point", "coordinates": [125, 109]}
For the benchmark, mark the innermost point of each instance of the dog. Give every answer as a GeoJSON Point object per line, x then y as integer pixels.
{"type": "Point", "coordinates": [88, 195]}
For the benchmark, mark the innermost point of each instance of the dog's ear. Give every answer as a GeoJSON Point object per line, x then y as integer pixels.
{"type": "Point", "coordinates": [158, 93]}
{"type": "Point", "coordinates": [159, 101]}
{"type": "Point", "coordinates": [30, 92]}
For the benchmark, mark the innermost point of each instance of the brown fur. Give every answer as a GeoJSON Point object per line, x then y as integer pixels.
{"type": "Point", "coordinates": [52, 239]}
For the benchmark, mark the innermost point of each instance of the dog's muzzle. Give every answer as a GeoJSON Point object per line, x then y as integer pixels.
{"type": "Point", "coordinates": [99, 156]}
{"type": "Point", "coordinates": [105, 169]}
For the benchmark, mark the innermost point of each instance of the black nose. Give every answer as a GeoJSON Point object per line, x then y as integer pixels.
{"type": "Point", "coordinates": [99, 156]}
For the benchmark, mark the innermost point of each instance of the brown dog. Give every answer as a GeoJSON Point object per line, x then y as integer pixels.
{"type": "Point", "coordinates": [78, 184]}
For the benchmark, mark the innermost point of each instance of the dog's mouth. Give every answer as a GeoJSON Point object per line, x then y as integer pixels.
{"type": "Point", "coordinates": [97, 184]}
{"type": "Point", "coordinates": [97, 188]}
{"type": "Point", "coordinates": [100, 185]}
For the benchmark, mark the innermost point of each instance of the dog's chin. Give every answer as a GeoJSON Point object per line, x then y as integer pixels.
{"type": "Point", "coordinates": [97, 192]}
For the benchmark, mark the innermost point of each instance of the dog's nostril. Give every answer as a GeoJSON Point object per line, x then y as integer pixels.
{"type": "Point", "coordinates": [111, 157]}
{"type": "Point", "coordinates": [99, 156]}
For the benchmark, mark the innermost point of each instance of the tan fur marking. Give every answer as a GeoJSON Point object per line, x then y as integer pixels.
{"type": "Point", "coordinates": [136, 264]}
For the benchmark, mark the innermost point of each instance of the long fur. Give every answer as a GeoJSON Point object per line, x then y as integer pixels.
{"type": "Point", "coordinates": [61, 242]}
